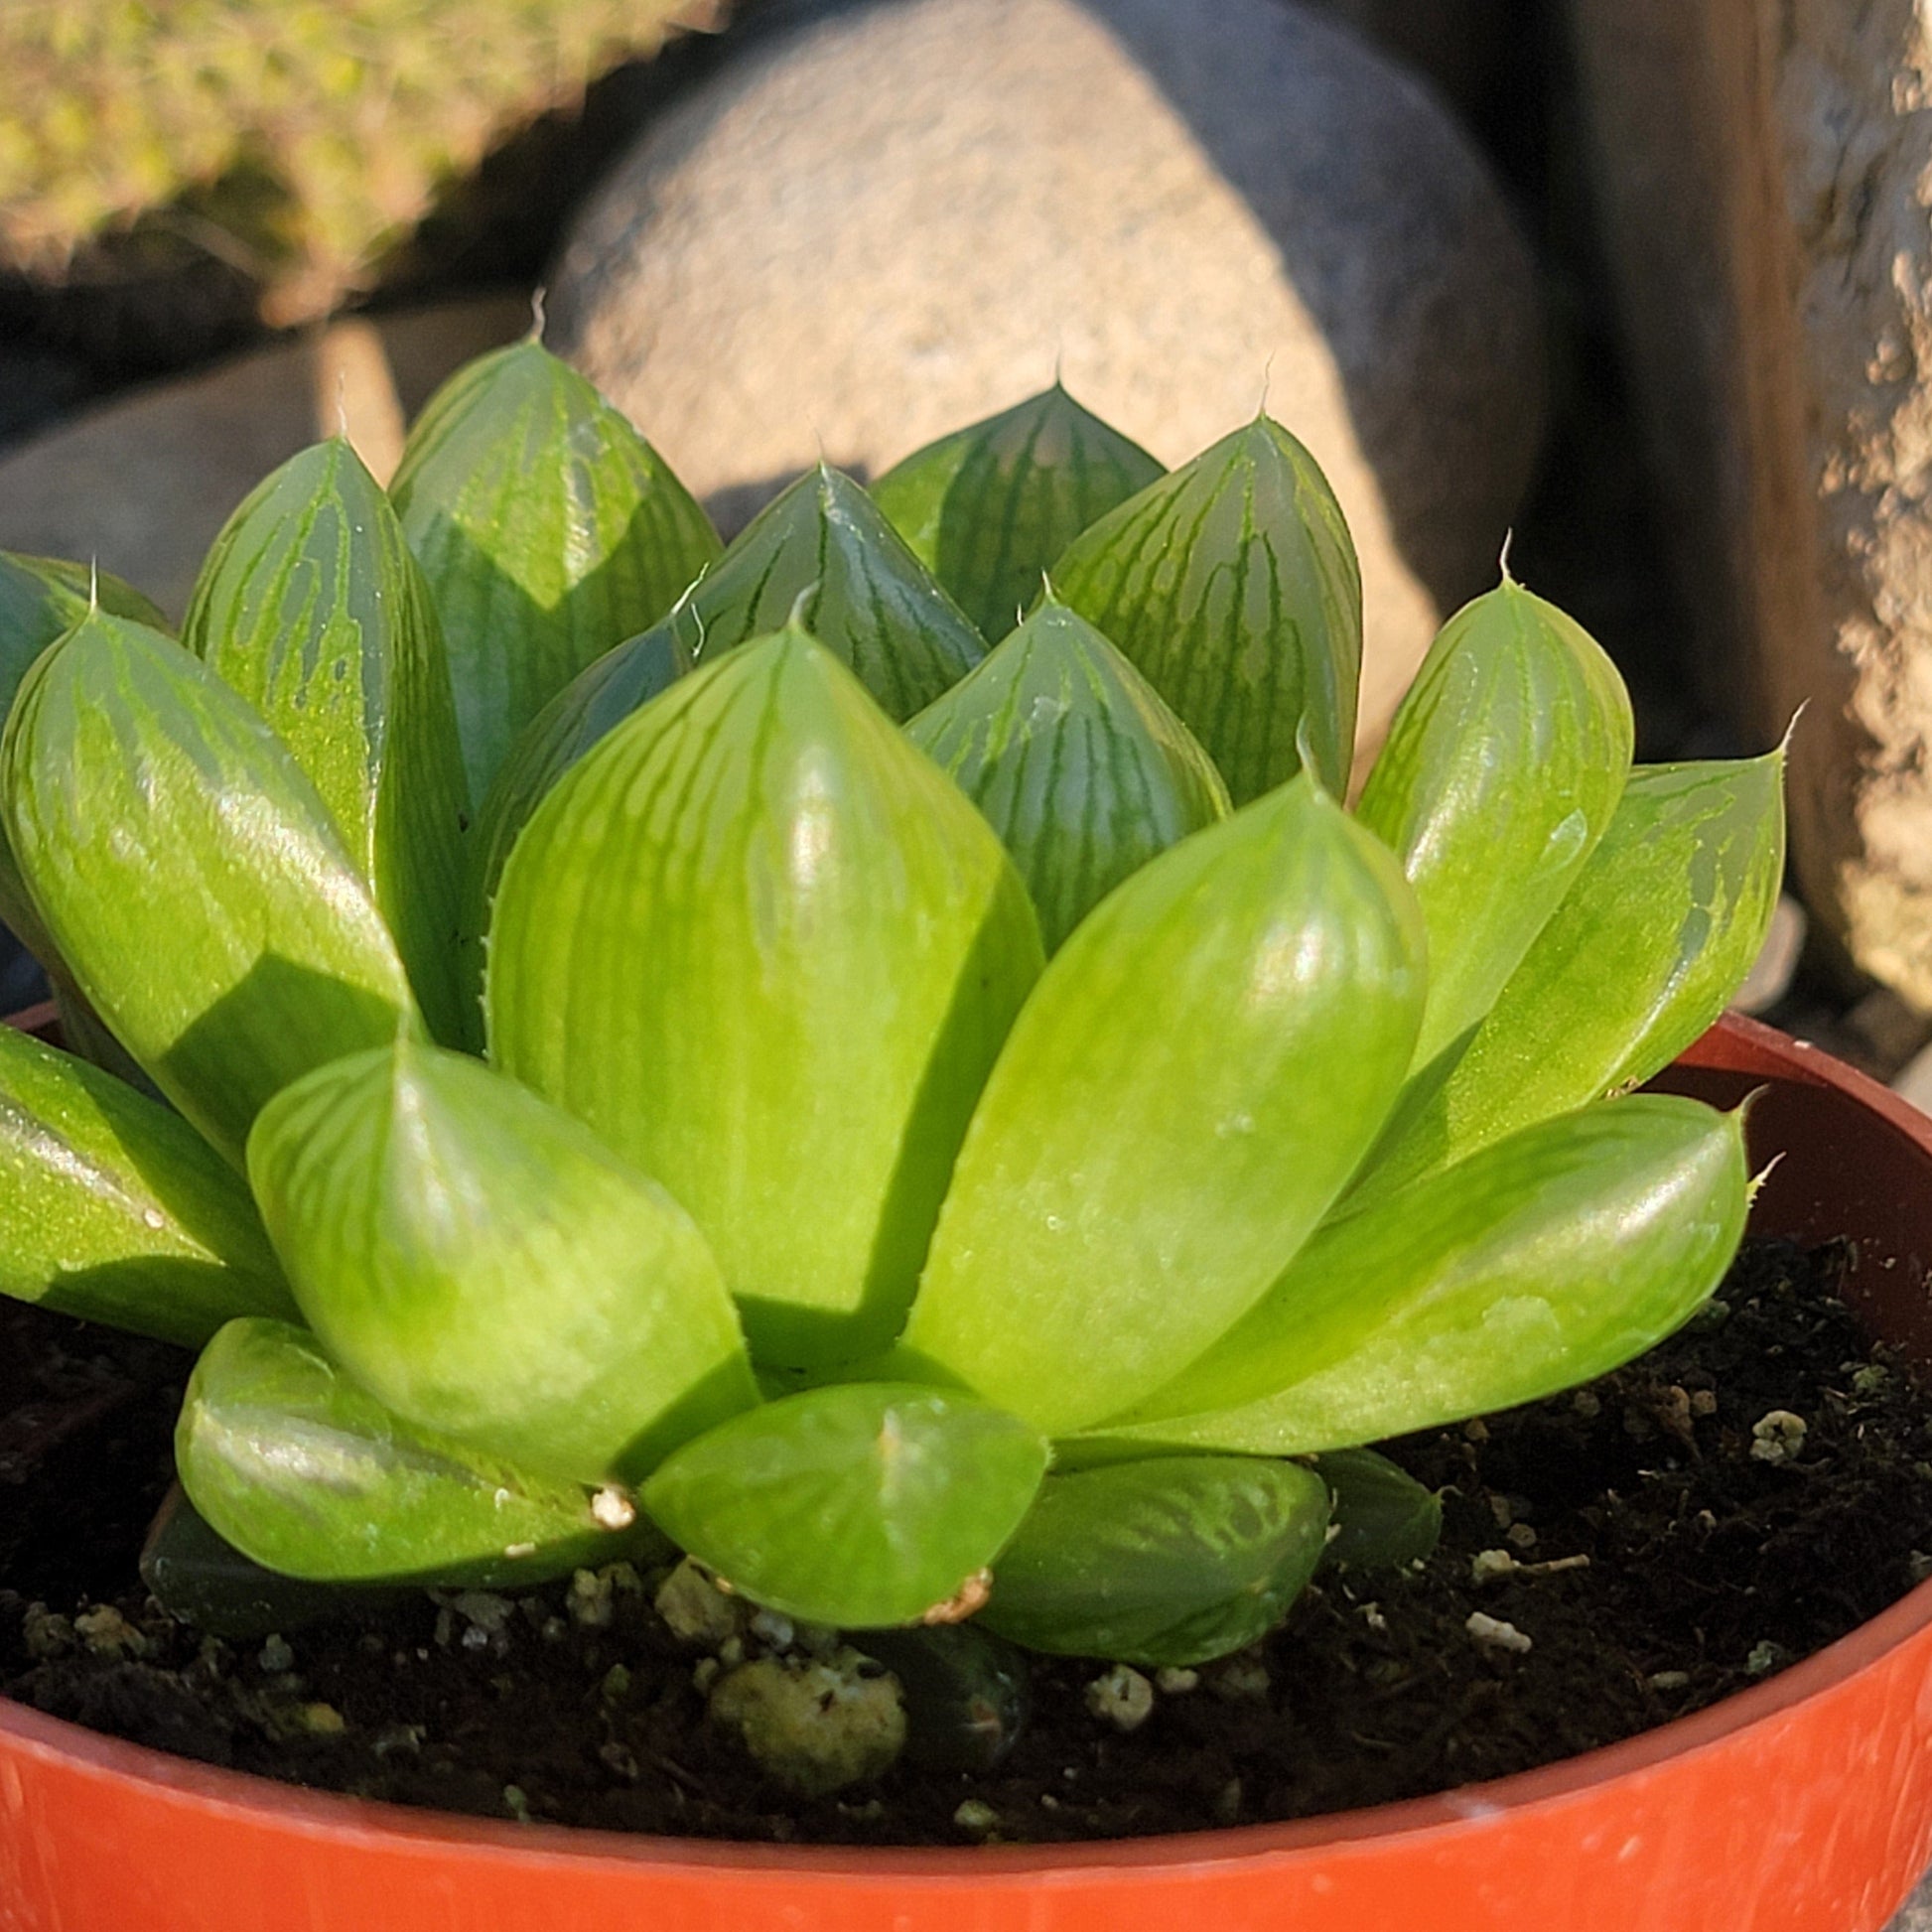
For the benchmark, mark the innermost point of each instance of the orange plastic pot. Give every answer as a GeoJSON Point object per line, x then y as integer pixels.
{"type": "Point", "coordinates": [1803, 1805]}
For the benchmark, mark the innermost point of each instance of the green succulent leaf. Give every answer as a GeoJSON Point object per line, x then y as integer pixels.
{"type": "Point", "coordinates": [1384, 1518]}
{"type": "Point", "coordinates": [311, 606]}
{"type": "Point", "coordinates": [1232, 584]}
{"type": "Point", "coordinates": [1194, 1080]}
{"type": "Point", "coordinates": [822, 551]}
{"type": "Point", "coordinates": [989, 509]}
{"type": "Point", "coordinates": [487, 1268]}
{"type": "Point", "coordinates": [1501, 770]}
{"type": "Point", "coordinates": [590, 706]}
{"type": "Point", "coordinates": [1077, 765]}
{"type": "Point", "coordinates": [191, 876]}
{"type": "Point", "coordinates": [1172, 1561]}
{"type": "Point", "coordinates": [1651, 941]}
{"type": "Point", "coordinates": [860, 1504]}
{"type": "Point", "coordinates": [968, 1694]}
{"type": "Point", "coordinates": [299, 1469]}
{"type": "Point", "coordinates": [42, 598]}
{"type": "Point", "coordinates": [549, 530]}
{"type": "Point", "coordinates": [1547, 1259]}
{"type": "Point", "coordinates": [116, 1210]}
{"type": "Point", "coordinates": [788, 949]}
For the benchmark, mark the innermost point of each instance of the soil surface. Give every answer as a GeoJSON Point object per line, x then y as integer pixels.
{"type": "Point", "coordinates": [1742, 1495]}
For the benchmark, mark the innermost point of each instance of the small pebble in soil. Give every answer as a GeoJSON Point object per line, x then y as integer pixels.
{"type": "Point", "coordinates": [1668, 1679]}
{"type": "Point", "coordinates": [975, 1814]}
{"type": "Point", "coordinates": [1242, 1679]}
{"type": "Point", "coordinates": [1765, 1658]}
{"type": "Point", "coordinates": [695, 1609]}
{"type": "Point", "coordinates": [1496, 1633]}
{"type": "Point", "coordinates": [1122, 1696]}
{"type": "Point", "coordinates": [814, 1725]}
{"type": "Point", "coordinates": [590, 1597]}
{"type": "Point", "coordinates": [1778, 1437]}
{"type": "Point", "coordinates": [276, 1656]}
{"type": "Point", "coordinates": [1174, 1681]}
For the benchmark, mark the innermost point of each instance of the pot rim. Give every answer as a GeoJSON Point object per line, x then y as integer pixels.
{"type": "Point", "coordinates": [329, 1814]}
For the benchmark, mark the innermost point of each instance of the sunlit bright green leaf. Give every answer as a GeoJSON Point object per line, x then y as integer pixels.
{"type": "Point", "coordinates": [116, 1209]}
{"type": "Point", "coordinates": [1502, 769]}
{"type": "Point", "coordinates": [1171, 1562]}
{"type": "Point", "coordinates": [989, 509]}
{"type": "Point", "coordinates": [1195, 1077]}
{"type": "Point", "coordinates": [1232, 584]}
{"type": "Point", "coordinates": [1077, 765]}
{"type": "Point", "coordinates": [1383, 1517]}
{"type": "Point", "coordinates": [311, 606]}
{"type": "Point", "coordinates": [590, 706]}
{"type": "Point", "coordinates": [865, 1503]}
{"type": "Point", "coordinates": [1550, 1258]}
{"type": "Point", "coordinates": [191, 876]}
{"type": "Point", "coordinates": [866, 598]}
{"type": "Point", "coordinates": [549, 531]}
{"type": "Point", "coordinates": [768, 951]}
{"type": "Point", "coordinates": [291, 1463]}
{"type": "Point", "coordinates": [485, 1268]}
{"type": "Point", "coordinates": [1654, 938]}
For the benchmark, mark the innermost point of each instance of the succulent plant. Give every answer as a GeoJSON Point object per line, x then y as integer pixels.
{"type": "Point", "coordinates": [933, 1130]}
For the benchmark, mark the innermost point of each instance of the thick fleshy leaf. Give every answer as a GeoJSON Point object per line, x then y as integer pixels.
{"type": "Point", "coordinates": [116, 1209]}
{"type": "Point", "coordinates": [1174, 1561]}
{"type": "Point", "coordinates": [311, 606]}
{"type": "Point", "coordinates": [484, 1267]}
{"type": "Point", "coordinates": [1538, 1263]}
{"type": "Point", "coordinates": [824, 552]}
{"type": "Point", "coordinates": [862, 1503]}
{"type": "Point", "coordinates": [1383, 1517]}
{"type": "Point", "coordinates": [1650, 942]}
{"type": "Point", "coordinates": [300, 1470]}
{"type": "Point", "coordinates": [41, 598]}
{"type": "Point", "coordinates": [1232, 584]}
{"type": "Point", "coordinates": [585, 711]}
{"type": "Point", "coordinates": [989, 509]}
{"type": "Point", "coordinates": [1194, 1078]}
{"type": "Point", "coordinates": [549, 531]}
{"type": "Point", "coordinates": [191, 878]}
{"type": "Point", "coordinates": [968, 1694]}
{"type": "Point", "coordinates": [768, 951]}
{"type": "Point", "coordinates": [1077, 765]}
{"type": "Point", "coordinates": [1501, 770]}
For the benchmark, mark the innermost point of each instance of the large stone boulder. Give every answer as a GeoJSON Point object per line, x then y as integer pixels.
{"type": "Point", "coordinates": [1766, 173]}
{"type": "Point", "coordinates": [893, 218]}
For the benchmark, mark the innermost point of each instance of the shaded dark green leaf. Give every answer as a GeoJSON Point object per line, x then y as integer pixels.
{"type": "Point", "coordinates": [1383, 1517]}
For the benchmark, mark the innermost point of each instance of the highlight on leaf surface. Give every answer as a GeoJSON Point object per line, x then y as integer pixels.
{"type": "Point", "coordinates": [1232, 585]}
{"type": "Point", "coordinates": [192, 877]}
{"type": "Point", "coordinates": [1172, 1561]}
{"type": "Point", "coordinates": [791, 949]}
{"type": "Point", "coordinates": [116, 1210]}
{"type": "Point", "coordinates": [311, 606]}
{"type": "Point", "coordinates": [1191, 1083]}
{"type": "Point", "coordinates": [990, 508]}
{"type": "Point", "coordinates": [485, 1268]}
{"type": "Point", "coordinates": [303, 1472]}
{"type": "Point", "coordinates": [549, 531]}
{"type": "Point", "coordinates": [1548, 1259]}
{"type": "Point", "coordinates": [856, 1504]}
{"type": "Point", "coordinates": [1077, 765]}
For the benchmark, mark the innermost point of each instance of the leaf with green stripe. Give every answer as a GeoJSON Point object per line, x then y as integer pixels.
{"type": "Point", "coordinates": [116, 1210]}
{"type": "Point", "coordinates": [590, 707]}
{"type": "Point", "coordinates": [1502, 769]}
{"type": "Point", "coordinates": [1232, 584]}
{"type": "Point", "coordinates": [192, 877]}
{"type": "Point", "coordinates": [865, 595]}
{"type": "Point", "coordinates": [298, 1469]}
{"type": "Point", "coordinates": [485, 1268]}
{"type": "Point", "coordinates": [768, 951]}
{"type": "Point", "coordinates": [1651, 941]}
{"type": "Point", "coordinates": [311, 606]}
{"type": "Point", "coordinates": [1547, 1259]}
{"type": "Point", "coordinates": [1174, 1561]}
{"type": "Point", "coordinates": [1077, 765]}
{"type": "Point", "coordinates": [549, 531]}
{"type": "Point", "coordinates": [1197, 1075]}
{"type": "Point", "coordinates": [990, 508]}
{"type": "Point", "coordinates": [865, 1503]}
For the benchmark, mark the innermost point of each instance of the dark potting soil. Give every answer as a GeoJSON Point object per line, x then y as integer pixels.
{"type": "Point", "coordinates": [1611, 1558]}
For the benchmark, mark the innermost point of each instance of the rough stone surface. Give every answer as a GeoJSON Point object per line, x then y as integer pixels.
{"type": "Point", "coordinates": [1915, 1915]}
{"type": "Point", "coordinates": [143, 484]}
{"type": "Point", "coordinates": [896, 218]}
{"type": "Point", "coordinates": [1766, 171]}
